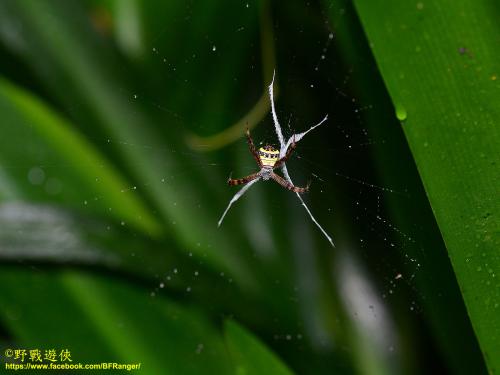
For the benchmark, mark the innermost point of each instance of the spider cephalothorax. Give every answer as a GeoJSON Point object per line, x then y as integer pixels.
{"type": "Point", "coordinates": [268, 159]}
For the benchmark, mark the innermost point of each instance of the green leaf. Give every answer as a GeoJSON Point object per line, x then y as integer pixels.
{"type": "Point", "coordinates": [102, 319]}
{"type": "Point", "coordinates": [78, 67]}
{"type": "Point", "coordinates": [440, 66]}
{"type": "Point", "coordinates": [438, 292]}
{"type": "Point", "coordinates": [85, 76]}
{"type": "Point", "coordinates": [250, 355]}
{"type": "Point", "coordinates": [39, 146]}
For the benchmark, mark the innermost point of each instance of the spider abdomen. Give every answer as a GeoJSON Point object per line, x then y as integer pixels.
{"type": "Point", "coordinates": [268, 156]}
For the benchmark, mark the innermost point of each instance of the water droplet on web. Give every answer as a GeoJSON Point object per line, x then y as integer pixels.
{"type": "Point", "coordinates": [330, 36]}
{"type": "Point", "coordinates": [214, 48]}
{"type": "Point", "coordinates": [401, 113]}
{"type": "Point", "coordinates": [162, 285]}
{"type": "Point", "coordinates": [135, 96]}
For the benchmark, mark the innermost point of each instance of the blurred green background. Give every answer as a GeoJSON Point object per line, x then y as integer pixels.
{"type": "Point", "coordinates": [121, 120]}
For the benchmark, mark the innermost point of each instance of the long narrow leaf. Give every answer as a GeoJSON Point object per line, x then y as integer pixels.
{"type": "Point", "coordinates": [439, 61]}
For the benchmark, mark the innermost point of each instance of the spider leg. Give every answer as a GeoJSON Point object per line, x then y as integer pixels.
{"type": "Point", "coordinates": [289, 152]}
{"type": "Point", "coordinates": [251, 146]}
{"type": "Point", "coordinates": [287, 185]}
{"type": "Point", "coordinates": [242, 181]}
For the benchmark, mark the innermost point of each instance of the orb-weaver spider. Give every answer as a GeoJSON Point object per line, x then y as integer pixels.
{"type": "Point", "coordinates": [268, 159]}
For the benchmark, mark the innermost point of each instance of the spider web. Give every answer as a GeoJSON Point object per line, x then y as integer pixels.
{"type": "Point", "coordinates": [283, 148]}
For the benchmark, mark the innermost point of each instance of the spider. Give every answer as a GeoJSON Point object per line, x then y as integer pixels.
{"type": "Point", "coordinates": [268, 159]}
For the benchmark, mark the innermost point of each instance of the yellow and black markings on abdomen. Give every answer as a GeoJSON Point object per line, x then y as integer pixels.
{"type": "Point", "coordinates": [268, 156]}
